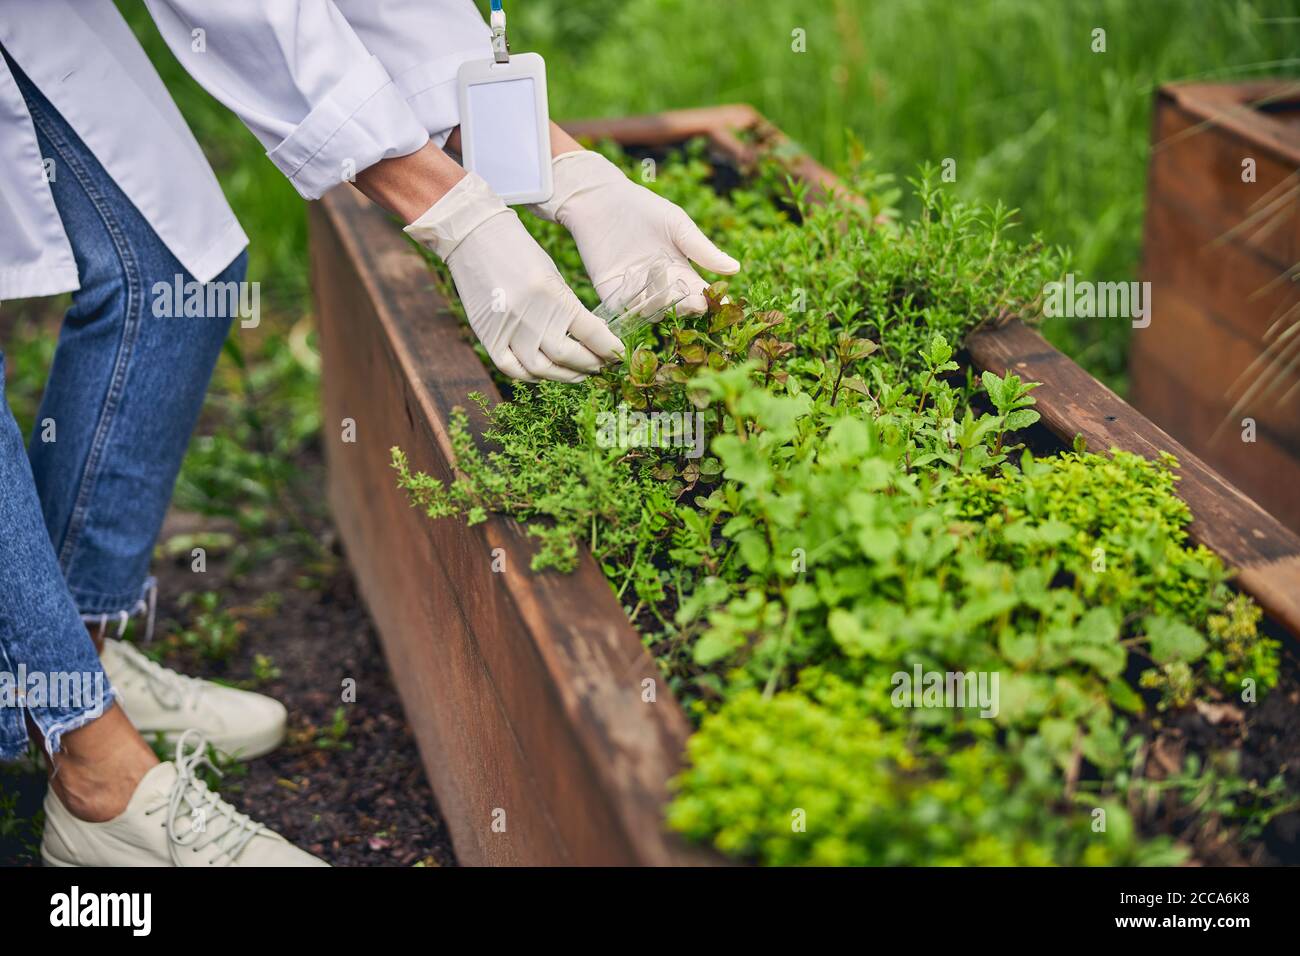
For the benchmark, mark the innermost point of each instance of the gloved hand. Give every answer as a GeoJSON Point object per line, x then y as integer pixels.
{"type": "Point", "coordinates": [620, 227]}
{"type": "Point", "coordinates": [519, 306]}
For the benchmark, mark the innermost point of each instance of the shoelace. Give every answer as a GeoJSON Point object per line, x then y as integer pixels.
{"type": "Point", "coordinates": [190, 796]}
{"type": "Point", "coordinates": [170, 689]}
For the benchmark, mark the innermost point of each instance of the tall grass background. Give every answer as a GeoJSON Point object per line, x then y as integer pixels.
{"type": "Point", "coordinates": [1010, 89]}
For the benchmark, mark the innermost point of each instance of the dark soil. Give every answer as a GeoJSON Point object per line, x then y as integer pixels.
{"type": "Point", "coordinates": [355, 796]}
{"type": "Point", "coordinates": [1266, 740]}
{"type": "Point", "coordinates": [351, 790]}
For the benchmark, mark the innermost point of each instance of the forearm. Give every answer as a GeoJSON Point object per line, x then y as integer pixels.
{"type": "Point", "coordinates": [409, 185]}
{"type": "Point", "coordinates": [562, 142]}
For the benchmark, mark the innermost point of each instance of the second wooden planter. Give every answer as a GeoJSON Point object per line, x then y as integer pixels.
{"type": "Point", "coordinates": [1219, 366]}
{"type": "Point", "coordinates": [545, 728]}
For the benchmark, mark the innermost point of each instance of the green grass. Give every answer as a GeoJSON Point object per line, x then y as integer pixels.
{"type": "Point", "coordinates": [1009, 89]}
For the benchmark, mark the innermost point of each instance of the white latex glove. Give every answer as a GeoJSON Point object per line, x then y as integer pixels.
{"type": "Point", "coordinates": [620, 227]}
{"type": "Point", "coordinates": [519, 306]}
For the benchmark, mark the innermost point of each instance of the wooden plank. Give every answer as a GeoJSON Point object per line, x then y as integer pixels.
{"type": "Point", "coordinates": [1191, 366]}
{"type": "Point", "coordinates": [397, 574]}
{"type": "Point", "coordinates": [665, 129]}
{"type": "Point", "coordinates": [1215, 250]}
{"type": "Point", "coordinates": [723, 126]}
{"type": "Point", "coordinates": [1237, 108]}
{"type": "Point", "coordinates": [1204, 362]}
{"type": "Point", "coordinates": [525, 691]}
{"type": "Point", "coordinates": [1072, 402]}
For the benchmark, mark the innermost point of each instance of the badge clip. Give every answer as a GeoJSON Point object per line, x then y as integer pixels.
{"type": "Point", "coordinates": [500, 44]}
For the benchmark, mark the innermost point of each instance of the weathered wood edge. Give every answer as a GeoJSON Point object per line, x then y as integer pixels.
{"type": "Point", "coordinates": [573, 622]}
{"type": "Point", "coordinates": [1232, 106]}
{"type": "Point", "coordinates": [719, 124]}
{"type": "Point", "coordinates": [1264, 552]}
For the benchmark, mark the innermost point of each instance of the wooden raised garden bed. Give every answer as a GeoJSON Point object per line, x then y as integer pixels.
{"type": "Point", "coordinates": [526, 690]}
{"type": "Point", "coordinates": [1222, 254]}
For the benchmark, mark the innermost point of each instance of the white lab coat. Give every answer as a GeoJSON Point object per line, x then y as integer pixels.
{"type": "Point", "coordinates": [328, 86]}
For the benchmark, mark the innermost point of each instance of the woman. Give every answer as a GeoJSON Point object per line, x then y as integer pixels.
{"type": "Point", "coordinates": [113, 196]}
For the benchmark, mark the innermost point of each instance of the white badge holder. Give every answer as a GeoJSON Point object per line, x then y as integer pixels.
{"type": "Point", "coordinates": [505, 126]}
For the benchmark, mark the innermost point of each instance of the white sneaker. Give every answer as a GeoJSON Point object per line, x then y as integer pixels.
{"type": "Point", "coordinates": [157, 700]}
{"type": "Point", "coordinates": [173, 819]}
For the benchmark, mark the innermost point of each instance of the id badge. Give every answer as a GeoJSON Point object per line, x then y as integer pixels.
{"type": "Point", "coordinates": [505, 127]}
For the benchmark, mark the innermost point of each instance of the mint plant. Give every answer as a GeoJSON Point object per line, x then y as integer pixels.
{"type": "Point", "coordinates": [1011, 398]}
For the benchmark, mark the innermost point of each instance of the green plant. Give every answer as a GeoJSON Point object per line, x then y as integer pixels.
{"type": "Point", "coordinates": [265, 670]}
{"type": "Point", "coordinates": [212, 630]}
{"type": "Point", "coordinates": [20, 831]}
{"type": "Point", "coordinates": [860, 515]}
{"type": "Point", "coordinates": [262, 412]}
{"type": "Point", "coordinates": [816, 777]}
{"type": "Point", "coordinates": [28, 350]}
{"type": "Point", "coordinates": [334, 737]}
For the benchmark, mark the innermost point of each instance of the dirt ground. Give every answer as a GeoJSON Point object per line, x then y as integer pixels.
{"type": "Point", "coordinates": [355, 796]}
{"type": "Point", "coordinates": [347, 785]}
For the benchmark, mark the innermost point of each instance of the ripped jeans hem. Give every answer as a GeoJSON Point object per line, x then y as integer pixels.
{"type": "Point", "coordinates": [53, 734]}
{"type": "Point", "coordinates": [121, 612]}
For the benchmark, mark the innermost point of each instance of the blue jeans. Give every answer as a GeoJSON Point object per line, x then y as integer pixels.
{"type": "Point", "coordinates": [81, 507]}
